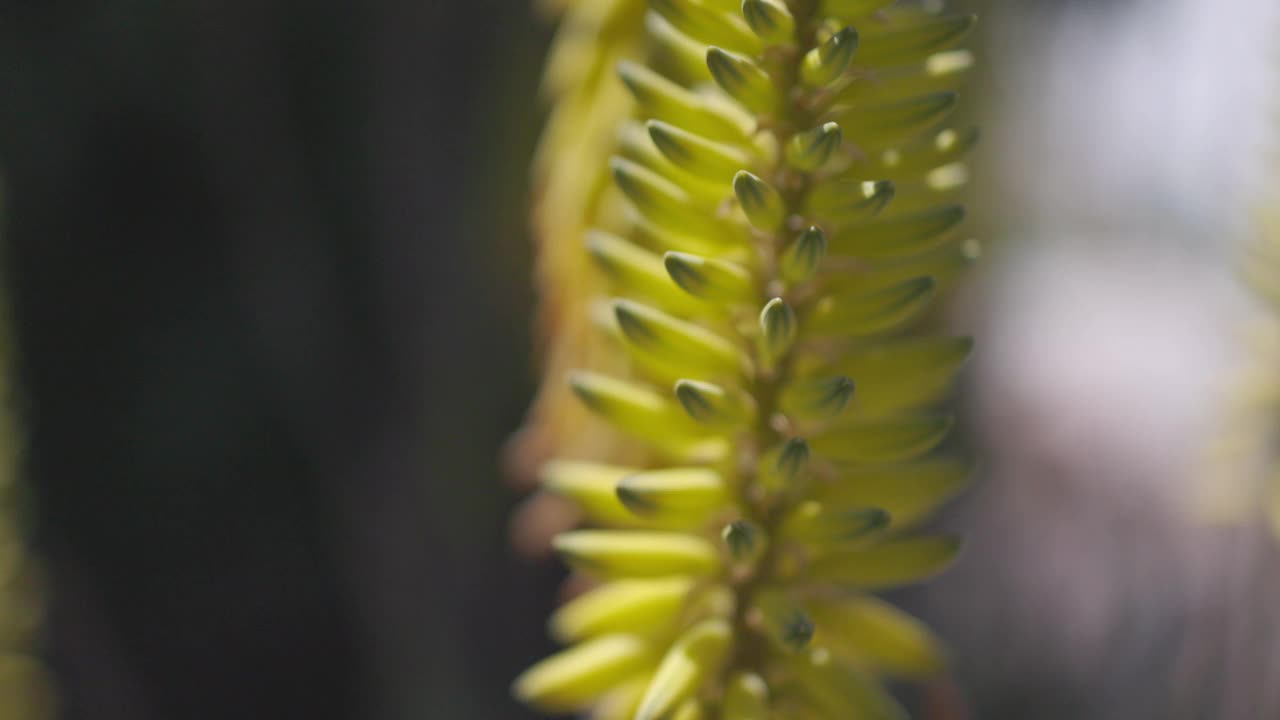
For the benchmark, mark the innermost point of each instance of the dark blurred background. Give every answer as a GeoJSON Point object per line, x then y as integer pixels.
{"type": "Point", "coordinates": [269, 271]}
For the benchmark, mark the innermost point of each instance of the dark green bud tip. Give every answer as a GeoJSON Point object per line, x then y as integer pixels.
{"type": "Point", "coordinates": [801, 259]}
{"type": "Point", "coordinates": [777, 327]}
{"type": "Point", "coordinates": [761, 203]}
{"type": "Point", "coordinates": [743, 80]}
{"type": "Point", "coordinates": [635, 502]}
{"type": "Point", "coordinates": [743, 538]}
{"type": "Point", "coordinates": [833, 394]}
{"type": "Point", "coordinates": [703, 402]}
{"type": "Point", "coordinates": [797, 630]}
{"type": "Point", "coordinates": [770, 20]}
{"type": "Point", "coordinates": [825, 64]}
{"type": "Point", "coordinates": [811, 149]}
{"type": "Point", "coordinates": [793, 458]}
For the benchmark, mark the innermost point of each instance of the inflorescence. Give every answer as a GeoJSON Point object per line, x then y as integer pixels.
{"type": "Point", "coordinates": [789, 189]}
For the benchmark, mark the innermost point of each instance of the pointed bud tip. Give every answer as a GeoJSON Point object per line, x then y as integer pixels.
{"type": "Point", "coordinates": [762, 204]}
{"type": "Point", "coordinates": [696, 397]}
{"type": "Point", "coordinates": [878, 518]}
{"type": "Point", "coordinates": [673, 259]}
{"type": "Point", "coordinates": [770, 20]}
{"type": "Point", "coordinates": [634, 501]}
{"type": "Point", "coordinates": [665, 136]}
{"type": "Point", "coordinates": [742, 538]}
{"type": "Point", "coordinates": [797, 631]}
{"type": "Point", "coordinates": [793, 458]}
{"type": "Point", "coordinates": [630, 320]}
{"type": "Point", "coordinates": [777, 319]}
{"type": "Point", "coordinates": [718, 60]}
{"type": "Point", "coordinates": [685, 271]}
{"type": "Point", "coordinates": [813, 234]}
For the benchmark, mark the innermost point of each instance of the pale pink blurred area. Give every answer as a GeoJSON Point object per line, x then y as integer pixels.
{"type": "Point", "coordinates": [1106, 359]}
{"type": "Point", "coordinates": [1128, 115]}
{"type": "Point", "coordinates": [1126, 151]}
{"type": "Point", "coordinates": [1088, 570]}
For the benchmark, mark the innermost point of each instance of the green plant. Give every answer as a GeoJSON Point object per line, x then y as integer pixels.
{"type": "Point", "coordinates": [1241, 480]}
{"type": "Point", "coordinates": [780, 222]}
{"type": "Point", "coordinates": [25, 688]}
{"type": "Point", "coordinates": [571, 194]}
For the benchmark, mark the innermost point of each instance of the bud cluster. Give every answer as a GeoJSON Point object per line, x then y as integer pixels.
{"type": "Point", "coordinates": [791, 219]}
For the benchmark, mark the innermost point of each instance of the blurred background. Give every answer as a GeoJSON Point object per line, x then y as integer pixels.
{"type": "Point", "coordinates": [269, 271]}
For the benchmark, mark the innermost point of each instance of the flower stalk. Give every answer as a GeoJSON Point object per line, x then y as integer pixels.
{"type": "Point", "coordinates": [770, 305]}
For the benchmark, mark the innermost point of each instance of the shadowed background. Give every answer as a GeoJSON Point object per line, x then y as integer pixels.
{"type": "Point", "coordinates": [268, 269]}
